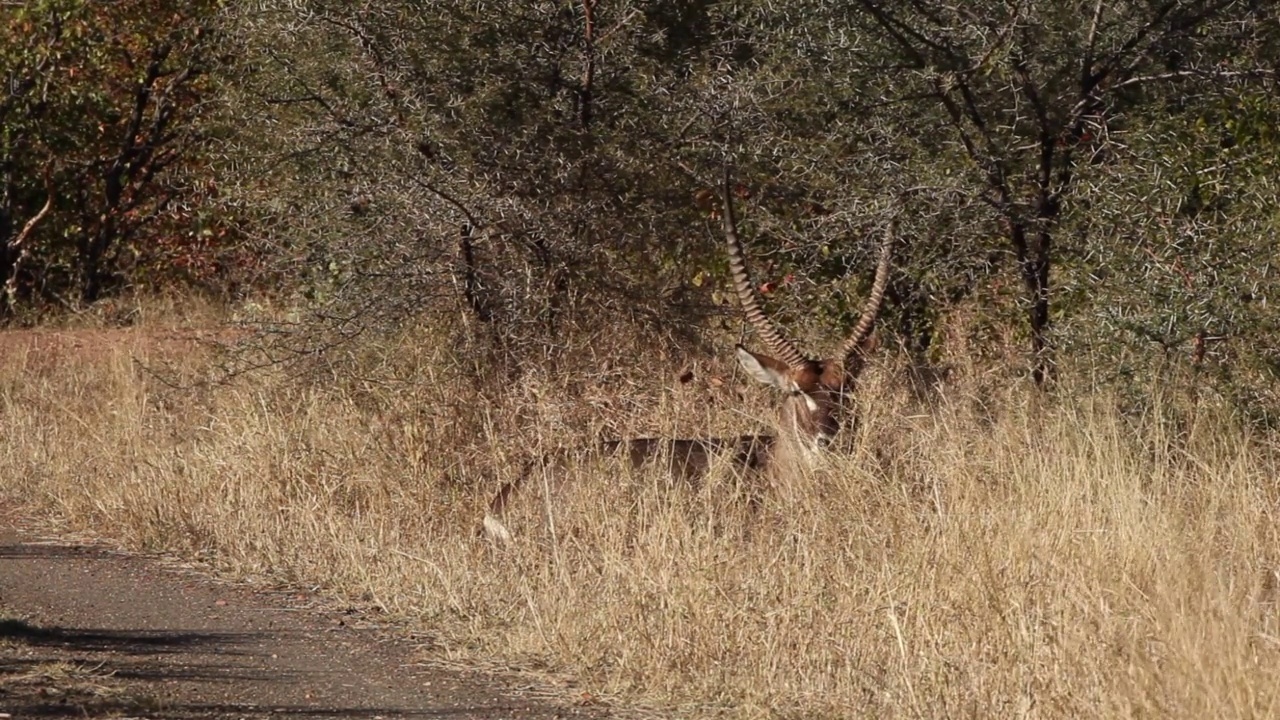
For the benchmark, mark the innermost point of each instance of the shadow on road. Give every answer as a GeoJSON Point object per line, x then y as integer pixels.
{"type": "Point", "coordinates": [87, 632]}
{"type": "Point", "coordinates": [43, 551]}
{"type": "Point", "coordinates": [133, 642]}
{"type": "Point", "coordinates": [57, 672]}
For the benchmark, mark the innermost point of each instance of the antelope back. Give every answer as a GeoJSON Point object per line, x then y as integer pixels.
{"type": "Point", "coordinates": [686, 462]}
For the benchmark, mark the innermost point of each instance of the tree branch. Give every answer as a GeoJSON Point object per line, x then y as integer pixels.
{"type": "Point", "coordinates": [17, 246]}
{"type": "Point", "coordinates": [1091, 42]}
{"type": "Point", "coordinates": [1254, 74]}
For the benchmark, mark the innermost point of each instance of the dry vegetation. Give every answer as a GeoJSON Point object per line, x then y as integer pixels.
{"type": "Point", "coordinates": [990, 555]}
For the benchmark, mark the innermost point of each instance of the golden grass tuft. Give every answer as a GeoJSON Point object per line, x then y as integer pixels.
{"type": "Point", "coordinates": [986, 556]}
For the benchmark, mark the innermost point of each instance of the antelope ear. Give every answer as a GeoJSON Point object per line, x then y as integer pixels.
{"type": "Point", "coordinates": [767, 370]}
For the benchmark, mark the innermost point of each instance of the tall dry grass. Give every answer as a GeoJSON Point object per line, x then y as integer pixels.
{"type": "Point", "coordinates": [994, 555]}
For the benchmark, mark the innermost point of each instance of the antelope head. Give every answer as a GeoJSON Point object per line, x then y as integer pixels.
{"type": "Point", "coordinates": [816, 390]}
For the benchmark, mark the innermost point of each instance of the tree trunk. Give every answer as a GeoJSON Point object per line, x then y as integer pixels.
{"type": "Point", "coordinates": [1034, 261]}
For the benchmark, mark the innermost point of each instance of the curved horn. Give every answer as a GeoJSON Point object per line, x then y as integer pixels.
{"type": "Point", "coordinates": [777, 342]}
{"type": "Point", "coordinates": [868, 320]}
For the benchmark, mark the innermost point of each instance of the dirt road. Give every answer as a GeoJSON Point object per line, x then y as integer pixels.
{"type": "Point", "coordinates": [85, 632]}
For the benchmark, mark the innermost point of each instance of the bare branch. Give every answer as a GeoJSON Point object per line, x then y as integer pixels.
{"type": "Point", "coordinates": [447, 197]}
{"type": "Point", "coordinates": [1086, 62]}
{"type": "Point", "coordinates": [17, 246]}
{"type": "Point", "coordinates": [1252, 74]}
{"type": "Point", "coordinates": [21, 238]}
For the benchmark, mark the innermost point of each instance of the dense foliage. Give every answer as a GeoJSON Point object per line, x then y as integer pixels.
{"type": "Point", "coordinates": [100, 183]}
{"type": "Point", "coordinates": [1072, 178]}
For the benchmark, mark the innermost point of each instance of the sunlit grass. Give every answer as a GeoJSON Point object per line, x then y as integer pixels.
{"type": "Point", "coordinates": [1014, 556]}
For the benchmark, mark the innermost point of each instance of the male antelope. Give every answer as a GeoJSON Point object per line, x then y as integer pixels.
{"type": "Point", "coordinates": [815, 395]}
